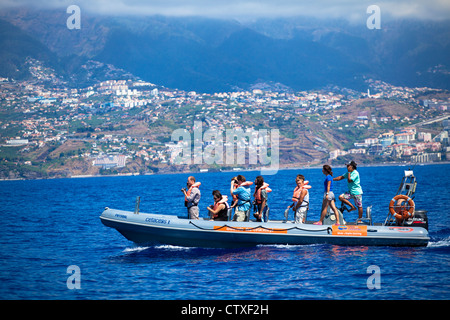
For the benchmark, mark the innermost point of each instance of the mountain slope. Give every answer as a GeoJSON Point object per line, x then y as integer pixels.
{"type": "Point", "coordinates": [15, 47]}
{"type": "Point", "coordinates": [208, 55]}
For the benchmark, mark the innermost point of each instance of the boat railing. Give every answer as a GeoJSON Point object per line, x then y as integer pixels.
{"type": "Point", "coordinates": [367, 219]}
{"type": "Point", "coordinates": [230, 213]}
{"type": "Point", "coordinates": [136, 206]}
{"type": "Point", "coordinates": [408, 188]}
{"type": "Point", "coordinates": [408, 184]}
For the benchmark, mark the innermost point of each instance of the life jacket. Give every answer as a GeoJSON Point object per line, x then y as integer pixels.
{"type": "Point", "coordinates": [223, 200]}
{"type": "Point", "coordinates": [224, 212]}
{"type": "Point", "coordinates": [298, 190]}
{"type": "Point", "coordinates": [243, 184]}
{"type": "Point", "coordinates": [188, 193]}
{"type": "Point", "coordinates": [257, 194]}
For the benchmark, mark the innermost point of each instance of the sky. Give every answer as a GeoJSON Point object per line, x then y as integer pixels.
{"type": "Point", "coordinates": [251, 9]}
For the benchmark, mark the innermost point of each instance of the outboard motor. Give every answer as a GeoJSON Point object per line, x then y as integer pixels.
{"type": "Point", "coordinates": [420, 219]}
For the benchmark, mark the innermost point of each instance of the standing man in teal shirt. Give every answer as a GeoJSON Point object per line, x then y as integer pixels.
{"type": "Point", "coordinates": [354, 188]}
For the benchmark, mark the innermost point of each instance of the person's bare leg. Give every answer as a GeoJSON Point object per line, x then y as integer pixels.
{"type": "Point", "coordinates": [336, 212]}
{"type": "Point", "coordinates": [352, 207]}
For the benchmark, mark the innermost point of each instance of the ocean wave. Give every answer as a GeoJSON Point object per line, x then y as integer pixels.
{"type": "Point", "coordinates": [158, 247]}
{"type": "Point", "coordinates": [135, 249]}
{"type": "Point", "coordinates": [289, 247]}
{"type": "Point", "coordinates": [175, 248]}
{"type": "Point", "coordinates": [439, 243]}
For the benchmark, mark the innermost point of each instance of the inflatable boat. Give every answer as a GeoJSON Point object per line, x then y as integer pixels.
{"type": "Point", "coordinates": [404, 226]}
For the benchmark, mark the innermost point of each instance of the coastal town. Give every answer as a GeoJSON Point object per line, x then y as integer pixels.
{"type": "Point", "coordinates": [49, 129]}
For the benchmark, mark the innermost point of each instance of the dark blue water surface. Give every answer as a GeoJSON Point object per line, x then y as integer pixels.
{"type": "Point", "coordinates": [49, 225]}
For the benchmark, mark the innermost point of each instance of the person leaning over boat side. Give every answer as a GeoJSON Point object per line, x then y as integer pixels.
{"type": "Point", "coordinates": [219, 210]}
{"type": "Point", "coordinates": [328, 195]}
{"type": "Point", "coordinates": [300, 200]}
{"type": "Point", "coordinates": [192, 197]}
{"type": "Point", "coordinates": [260, 196]}
{"type": "Point", "coordinates": [354, 188]}
{"type": "Point", "coordinates": [240, 188]}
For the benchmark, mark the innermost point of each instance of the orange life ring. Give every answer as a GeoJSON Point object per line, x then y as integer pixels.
{"type": "Point", "coordinates": [399, 210]}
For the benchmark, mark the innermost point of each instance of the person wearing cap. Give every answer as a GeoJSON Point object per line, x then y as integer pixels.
{"type": "Point", "coordinates": [354, 188]}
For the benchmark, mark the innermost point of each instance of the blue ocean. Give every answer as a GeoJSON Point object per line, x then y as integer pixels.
{"type": "Point", "coordinates": [50, 226]}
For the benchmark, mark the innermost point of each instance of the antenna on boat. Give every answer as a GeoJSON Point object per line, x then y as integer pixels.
{"type": "Point", "coordinates": [136, 207]}
{"type": "Point", "coordinates": [414, 165]}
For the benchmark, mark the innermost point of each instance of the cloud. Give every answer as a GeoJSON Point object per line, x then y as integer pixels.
{"type": "Point", "coordinates": [241, 9]}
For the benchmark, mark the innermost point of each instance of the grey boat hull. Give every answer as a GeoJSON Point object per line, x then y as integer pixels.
{"type": "Point", "coordinates": [144, 228]}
